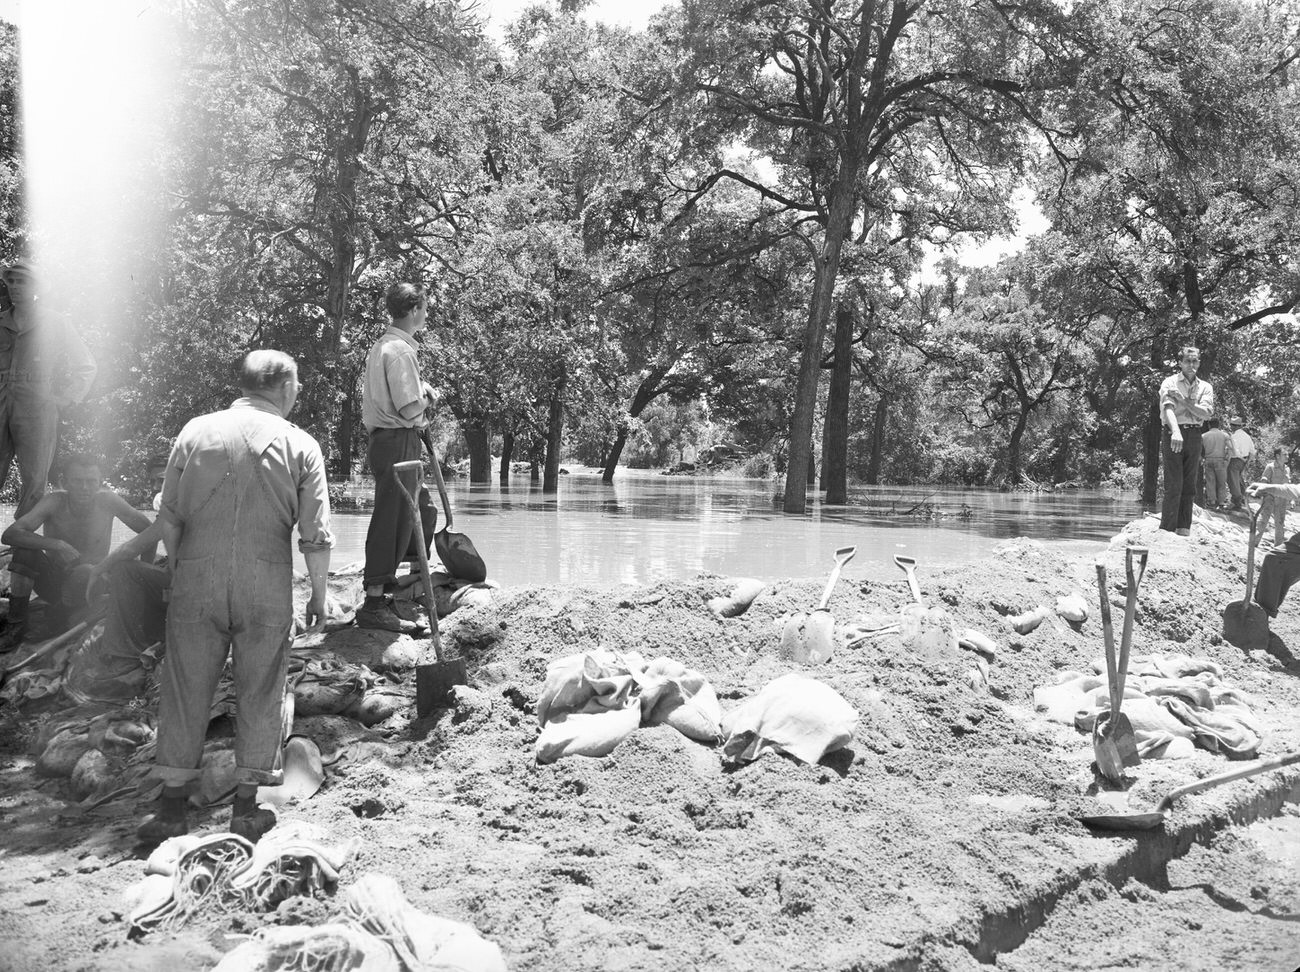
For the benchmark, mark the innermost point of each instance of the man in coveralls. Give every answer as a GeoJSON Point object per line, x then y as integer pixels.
{"type": "Point", "coordinates": [236, 483]}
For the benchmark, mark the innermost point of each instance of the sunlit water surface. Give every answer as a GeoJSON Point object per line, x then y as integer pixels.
{"type": "Point", "coordinates": [645, 527]}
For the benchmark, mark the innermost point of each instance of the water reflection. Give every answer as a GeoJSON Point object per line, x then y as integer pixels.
{"type": "Point", "coordinates": [644, 527]}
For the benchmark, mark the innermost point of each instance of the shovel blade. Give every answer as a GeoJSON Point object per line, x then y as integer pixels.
{"type": "Point", "coordinates": [1125, 741]}
{"type": "Point", "coordinates": [434, 684]}
{"type": "Point", "coordinates": [808, 638]}
{"type": "Point", "coordinates": [1245, 626]}
{"type": "Point", "coordinates": [1123, 821]}
{"type": "Point", "coordinates": [1105, 748]}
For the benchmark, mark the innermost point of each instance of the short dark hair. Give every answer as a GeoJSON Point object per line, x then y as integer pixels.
{"type": "Point", "coordinates": [402, 298]}
{"type": "Point", "coordinates": [1187, 350]}
{"type": "Point", "coordinates": [266, 370]}
{"type": "Point", "coordinates": [1212, 423]}
{"type": "Point", "coordinates": [81, 460]}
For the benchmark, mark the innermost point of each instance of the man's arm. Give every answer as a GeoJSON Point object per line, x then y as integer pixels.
{"type": "Point", "coordinates": [1281, 490]}
{"type": "Point", "coordinates": [410, 393]}
{"type": "Point", "coordinates": [1202, 407]}
{"type": "Point", "coordinates": [22, 532]}
{"type": "Point", "coordinates": [314, 537]}
{"type": "Point", "coordinates": [143, 545]}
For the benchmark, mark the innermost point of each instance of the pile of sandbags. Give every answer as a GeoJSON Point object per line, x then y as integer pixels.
{"type": "Point", "coordinates": [326, 685]}
{"type": "Point", "coordinates": [92, 746]}
{"type": "Point", "coordinates": [1174, 702]}
{"type": "Point", "coordinates": [593, 701]}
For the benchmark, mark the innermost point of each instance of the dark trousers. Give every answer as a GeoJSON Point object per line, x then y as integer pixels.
{"type": "Point", "coordinates": [137, 612]}
{"type": "Point", "coordinates": [1181, 469]}
{"type": "Point", "coordinates": [388, 538]}
{"type": "Point", "coordinates": [1280, 569]}
{"type": "Point", "coordinates": [63, 587]}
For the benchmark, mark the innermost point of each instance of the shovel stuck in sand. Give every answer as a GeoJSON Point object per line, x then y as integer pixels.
{"type": "Point", "coordinates": [1150, 821]}
{"type": "Point", "coordinates": [433, 682]}
{"type": "Point", "coordinates": [1113, 743]}
{"type": "Point", "coordinates": [908, 565]}
{"type": "Point", "coordinates": [810, 638]}
{"type": "Point", "coordinates": [1245, 625]}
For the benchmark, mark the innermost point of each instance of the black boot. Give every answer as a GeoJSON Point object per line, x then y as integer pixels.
{"type": "Point", "coordinates": [171, 820]}
{"type": "Point", "coordinates": [250, 821]}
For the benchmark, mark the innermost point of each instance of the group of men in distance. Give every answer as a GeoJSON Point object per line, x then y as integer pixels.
{"type": "Point", "coordinates": [1190, 433]}
{"type": "Point", "coordinates": [236, 483]}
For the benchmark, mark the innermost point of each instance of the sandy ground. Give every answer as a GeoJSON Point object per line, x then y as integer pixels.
{"type": "Point", "coordinates": [944, 837]}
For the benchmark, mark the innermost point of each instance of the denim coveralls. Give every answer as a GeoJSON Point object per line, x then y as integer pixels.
{"type": "Point", "coordinates": [236, 483]}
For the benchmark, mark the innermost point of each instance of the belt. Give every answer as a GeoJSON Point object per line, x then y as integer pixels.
{"type": "Point", "coordinates": [1196, 426]}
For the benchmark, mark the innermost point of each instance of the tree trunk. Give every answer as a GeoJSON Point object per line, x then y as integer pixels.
{"type": "Point", "coordinates": [479, 442]}
{"type": "Point", "coordinates": [1015, 474]}
{"type": "Point", "coordinates": [826, 270]}
{"type": "Point", "coordinates": [812, 466]}
{"type": "Point", "coordinates": [611, 457]}
{"type": "Point", "coordinates": [1151, 438]}
{"type": "Point", "coordinates": [878, 425]}
{"type": "Point", "coordinates": [835, 430]}
{"type": "Point", "coordinates": [554, 439]}
{"type": "Point", "coordinates": [507, 450]}
{"type": "Point", "coordinates": [343, 459]}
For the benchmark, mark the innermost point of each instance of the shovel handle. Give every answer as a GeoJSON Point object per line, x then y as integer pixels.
{"type": "Point", "coordinates": [1108, 636]}
{"type": "Point", "coordinates": [1277, 762]}
{"type": "Point", "coordinates": [417, 531]}
{"type": "Point", "coordinates": [1130, 611]}
{"type": "Point", "coordinates": [437, 476]}
{"type": "Point", "coordinates": [1250, 547]}
{"type": "Point", "coordinates": [908, 565]}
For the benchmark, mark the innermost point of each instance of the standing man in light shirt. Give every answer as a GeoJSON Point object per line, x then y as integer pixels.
{"type": "Point", "coordinates": [393, 404]}
{"type": "Point", "coordinates": [236, 483]}
{"type": "Point", "coordinates": [1243, 450]}
{"type": "Point", "coordinates": [1186, 401]}
{"type": "Point", "coordinates": [1216, 450]}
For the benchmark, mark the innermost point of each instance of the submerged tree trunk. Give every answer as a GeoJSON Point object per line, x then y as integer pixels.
{"type": "Point", "coordinates": [878, 425]}
{"type": "Point", "coordinates": [612, 456]}
{"type": "Point", "coordinates": [554, 438]}
{"type": "Point", "coordinates": [507, 450]}
{"type": "Point", "coordinates": [1151, 438]}
{"type": "Point", "coordinates": [835, 430]}
{"type": "Point", "coordinates": [343, 461]}
{"type": "Point", "coordinates": [479, 442]}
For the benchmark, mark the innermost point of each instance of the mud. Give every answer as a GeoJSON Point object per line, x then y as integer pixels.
{"type": "Point", "coordinates": [943, 837]}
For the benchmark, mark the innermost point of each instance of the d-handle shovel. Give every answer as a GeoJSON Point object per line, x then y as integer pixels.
{"type": "Point", "coordinates": [810, 638]}
{"type": "Point", "coordinates": [1113, 744]}
{"type": "Point", "coordinates": [908, 564]}
{"type": "Point", "coordinates": [433, 682]}
{"type": "Point", "coordinates": [1245, 625]}
{"type": "Point", "coordinates": [1150, 821]}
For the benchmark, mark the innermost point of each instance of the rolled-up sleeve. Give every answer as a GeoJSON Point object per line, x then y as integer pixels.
{"type": "Point", "coordinates": [314, 534]}
{"type": "Point", "coordinates": [170, 504]}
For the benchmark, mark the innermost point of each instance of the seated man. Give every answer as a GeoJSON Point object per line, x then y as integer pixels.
{"type": "Point", "coordinates": [1281, 566]}
{"type": "Point", "coordinates": [77, 525]}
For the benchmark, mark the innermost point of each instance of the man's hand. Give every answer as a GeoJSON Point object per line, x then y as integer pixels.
{"type": "Point", "coordinates": [1176, 441]}
{"type": "Point", "coordinates": [1261, 489]}
{"type": "Point", "coordinates": [97, 573]}
{"type": "Point", "coordinates": [64, 553]}
{"type": "Point", "coordinates": [316, 612]}
{"type": "Point", "coordinates": [430, 396]}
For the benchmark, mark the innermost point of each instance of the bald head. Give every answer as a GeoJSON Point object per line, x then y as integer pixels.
{"type": "Point", "coordinates": [271, 375]}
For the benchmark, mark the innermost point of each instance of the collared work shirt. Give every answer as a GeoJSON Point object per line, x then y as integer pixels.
{"type": "Point", "coordinates": [392, 382]}
{"type": "Point", "coordinates": [1216, 444]}
{"type": "Point", "coordinates": [289, 459]}
{"type": "Point", "coordinates": [1243, 447]}
{"type": "Point", "coordinates": [44, 354]}
{"type": "Point", "coordinates": [1198, 391]}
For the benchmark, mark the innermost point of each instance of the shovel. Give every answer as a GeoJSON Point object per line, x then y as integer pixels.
{"type": "Point", "coordinates": [1245, 625]}
{"type": "Point", "coordinates": [810, 638]}
{"type": "Point", "coordinates": [909, 567]}
{"type": "Point", "coordinates": [1113, 745]}
{"type": "Point", "coordinates": [455, 550]}
{"type": "Point", "coordinates": [433, 683]}
{"type": "Point", "coordinates": [1150, 821]}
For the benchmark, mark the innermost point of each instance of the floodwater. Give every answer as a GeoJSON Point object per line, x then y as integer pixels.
{"type": "Point", "coordinates": [646, 527]}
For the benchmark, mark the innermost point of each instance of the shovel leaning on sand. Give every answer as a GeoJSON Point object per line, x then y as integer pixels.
{"type": "Point", "coordinates": [1245, 625]}
{"type": "Point", "coordinates": [1113, 744]}
{"type": "Point", "coordinates": [1150, 821]}
{"type": "Point", "coordinates": [810, 638]}
{"type": "Point", "coordinates": [433, 682]}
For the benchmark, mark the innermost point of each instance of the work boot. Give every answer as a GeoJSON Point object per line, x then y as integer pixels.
{"type": "Point", "coordinates": [377, 613]}
{"type": "Point", "coordinates": [171, 820]}
{"type": "Point", "coordinates": [250, 821]}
